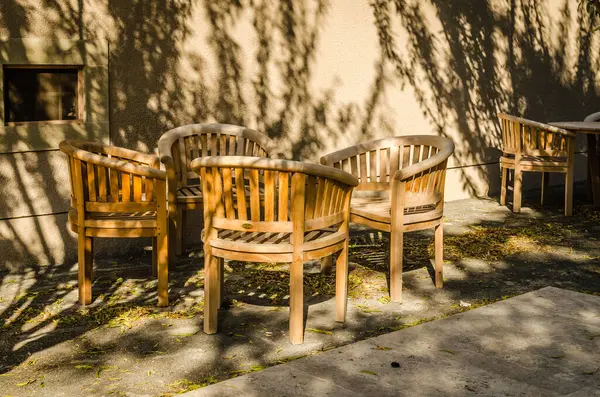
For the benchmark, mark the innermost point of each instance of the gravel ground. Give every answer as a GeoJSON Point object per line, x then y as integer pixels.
{"type": "Point", "coordinates": [122, 345]}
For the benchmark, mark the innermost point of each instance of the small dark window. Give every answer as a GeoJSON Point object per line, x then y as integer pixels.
{"type": "Point", "coordinates": [40, 94]}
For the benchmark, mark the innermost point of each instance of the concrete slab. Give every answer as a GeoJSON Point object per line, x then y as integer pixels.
{"type": "Point", "coordinates": [543, 343]}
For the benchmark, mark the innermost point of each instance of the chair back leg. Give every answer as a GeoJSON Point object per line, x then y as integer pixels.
{"type": "Point", "coordinates": [569, 182]}
{"type": "Point", "coordinates": [439, 255]}
{"type": "Point", "coordinates": [327, 265]}
{"type": "Point", "coordinates": [503, 183]}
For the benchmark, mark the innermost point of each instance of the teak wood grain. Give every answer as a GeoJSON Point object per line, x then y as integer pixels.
{"type": "Point", "coordinates": [179, 146]}
{"type": "Point", "coordinates": [530, 146]}
{"type": "Point", "coordinates": [401, 189]}
{"type": "Point", "coordinates": [116, 192]}
{"type": "Point", "coordinates": [285, 221]}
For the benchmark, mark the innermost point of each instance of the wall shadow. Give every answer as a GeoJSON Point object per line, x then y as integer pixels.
{"type": "Point", "coordinates": [473, 60]}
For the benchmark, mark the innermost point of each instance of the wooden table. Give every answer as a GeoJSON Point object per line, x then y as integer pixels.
{"type": "Point", "coordinates": [590, 129]}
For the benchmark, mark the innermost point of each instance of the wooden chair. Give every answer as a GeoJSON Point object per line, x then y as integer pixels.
{"type": "Point", "coordinates": [401, 190]}
{"type": "Point", "coordinates": [179, 146]}
{"type": "Point", "coordinates": [301, 213]}
{"type": "Point", "coordinates": [529, 146]}
{"type": "Point", "coordinates": [116, 192]}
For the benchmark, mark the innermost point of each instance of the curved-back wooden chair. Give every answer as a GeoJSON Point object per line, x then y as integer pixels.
{"type": "Point", "coordinates": [404, 177]}
{"type": "Point", "coordinates": [179, 146]}
{"type": "Point", "coordinates": [293, 212]}
{"type": "Point", "coordinates": [116, 192]}
{"type": "Point", "coordinates": [529, 146]}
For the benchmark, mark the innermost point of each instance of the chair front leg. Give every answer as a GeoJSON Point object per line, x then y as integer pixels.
{"type": "Point", "coordinates": [396, 252]}
{"type": "Point", "coordinates": [341, 284]}
{"type": "Point", "coordinates": [297, 300]}
{"type": "Point", "coordinates": [211, 290]}
{"type": "Point", "coordinates": [85, 257]}
{"type": "Point", "coordinates": [518, 186]}
{"type": "Point", "coordinates": [503, 182]}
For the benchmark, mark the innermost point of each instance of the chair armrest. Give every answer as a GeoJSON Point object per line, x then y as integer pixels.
{"type": "Point", "coordinates": [542, 126]}
{"type": "Point", "coordinates": [441, 156]}
{"type": "Point", "coordinates": [109, 162]}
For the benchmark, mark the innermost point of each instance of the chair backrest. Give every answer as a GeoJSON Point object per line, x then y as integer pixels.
{"type": "Point", "coordinates": [112, 179]}
{"type": "Point", "coordinates": [179, 146]}
{"type": "Point", "coordinates": [530, 138]}
{"type": "Point", "coordinates": [376, 162]}
{"type": "Point", "coordinates": [280, 196]}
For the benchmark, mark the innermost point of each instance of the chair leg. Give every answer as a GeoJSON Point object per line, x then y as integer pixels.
{"type": "Point", "coordinates": [85, 254]}
{"type": "Point", "coordinates": [341, 284]}
{"type": "Point", "coordinates": [220, 280]}
{"type": "Point", "coordinates": [439, 255]}
{"type": "Point", "coordinates": [211, 291]}
{"type": "Point", "coordinates": [503, 186]}
{"type": "Point", "coordinates": [172, 240]}
{"type": "Point", "coordinates": [162, 268]}
{"type": "Point", "coordinates": [180, 227]}
{"type": "Point", "coordinates": [154, 257]}
{"type": "Point", "coordinates": [327, 265]}
{"type": "Point", "coordinates": [396, 251]}
{"type": "Point", "coordinates": [569, 190]}
{"type": "Point", "coordinates": [517, 188]}
{"type": "Point", "coordinates": [545, 181]}
{"type": "Point", "coordinates": [296, 302]}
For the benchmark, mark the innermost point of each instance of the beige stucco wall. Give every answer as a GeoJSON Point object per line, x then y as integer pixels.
{"type": "Point", "coordinates": [315, 75]}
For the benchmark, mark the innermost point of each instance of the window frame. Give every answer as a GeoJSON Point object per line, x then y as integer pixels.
{"type": "Point", "coordinates": [80, 90]}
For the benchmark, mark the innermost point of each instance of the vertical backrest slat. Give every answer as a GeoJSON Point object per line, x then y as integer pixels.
{"type": "Point", "coordinates": [254, 196]}
{"type": "Point", "coordinates": [91, 181]}
{"type": "Point", "coordinates": [373, 156]}
{"type": "Point", "coordinates": [283, 191]}
{"type": "Point", "coordinates": [102, 188]}
{"type": "Point", "coordinates": [354, 166]}
{"type": "Point", "coordinates": [194, 148]}
{"type": "Point", "coordinates": [223, 145]}
{"type": "Point", "coordinates": [363, 168]}
{"type": "Point", "coordinates": [114, 185]}
{"type": "Point", "coordinates": [240, 187]}
{"type": "Point", "coordinates": [125, 187]}
{"type": "Point", "coordinates": [240, 142]}
{"type": "Point", "coordinates": [383, 165]}
{"type": "Point", "coordinates": [218, 190]}
{"type": "Point", "coordinates": [232, 145]}
{"type": "Point", "coordinates": [298, 215]}
{"type": "Point", "coordinates": [203, 145]}
{"type": "Point", "coordinates": [319, 198]}
{"type": "Point", "coordinates": [183, 164]}
{"type": "Point", "coordinates": [270, 179]}
{"type": "Point", "coordinates": [228, 193]}
{"type": "Point", "coordinates": [189, 148]}
{"type": "Point", "coordinates": [214, 148]}
{"type": "Point", "coordinates": [394, 160]}
{"type": "Point", "coordinates": [334, 197]}
{"type": "Point", "coordinates": [149, 188]}
{"type": "Point", "coordinates": [325, 200]}
{"type": "Point", "coordinates": [72, 180]}
{"type": "Point", "coordinates": [137, 188]}
{"type": "Point", "coordinates": [79, 178]}
{"type": "Point", "coordinates": [311, 196]}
